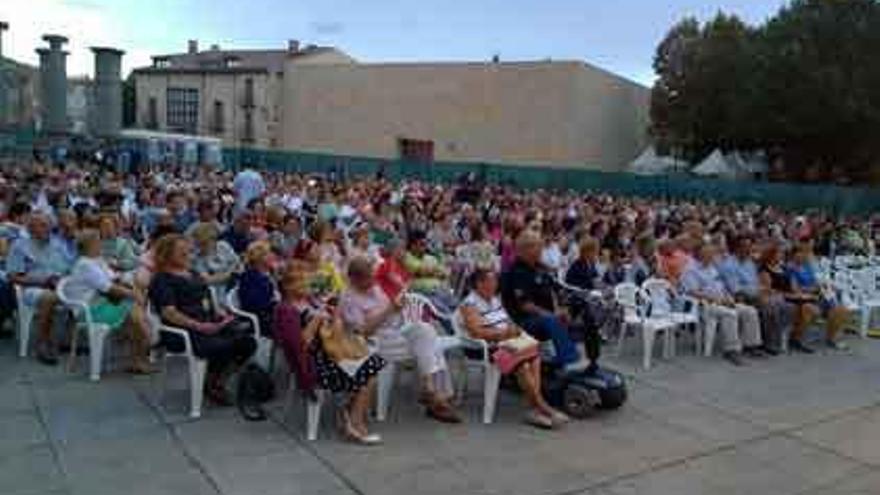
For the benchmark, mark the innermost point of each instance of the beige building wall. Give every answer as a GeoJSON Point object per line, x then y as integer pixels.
{"type": "Point", "coordinates": [556, 113]}
{"type": "Point", "coordinates": [227, 87]}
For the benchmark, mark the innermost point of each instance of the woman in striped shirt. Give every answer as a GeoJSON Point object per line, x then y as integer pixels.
{"type": "Point", "coordinates": [484, 317]}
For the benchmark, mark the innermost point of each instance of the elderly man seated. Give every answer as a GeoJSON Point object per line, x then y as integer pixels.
{"type": "Point", "coordinates": [529, 296]}
{"type": "Point", "coordinates": [739, 323]}
{"type": "Point", "coordinates": [740, 276]}
{"type": "Point", "coordinates": [36, 262]}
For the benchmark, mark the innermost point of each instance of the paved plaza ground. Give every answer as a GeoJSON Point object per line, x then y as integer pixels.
{"type": "Point", "coordinates": [790, 425]}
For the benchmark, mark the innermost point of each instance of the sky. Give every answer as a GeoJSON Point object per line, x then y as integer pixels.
{"type": "Point", "coordinates": [617, 35]}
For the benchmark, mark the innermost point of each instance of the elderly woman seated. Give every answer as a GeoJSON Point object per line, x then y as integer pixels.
{"type": "Point", "coordinates": [320, 350]}
{"type": "Point", "coordinates": [214, 260]}
{"type": "Point", "coordinates": [256, 289]}
{"type": "Point", "coordinates": [111, 302]}
{"type": "Point", "coordinates": [182, 300]}
{"type": "Point", "coordinates": [366, 310]}
{"type": "Point", "coordinates": [485, 318]}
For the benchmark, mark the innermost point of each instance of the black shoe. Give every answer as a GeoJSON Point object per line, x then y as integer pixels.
{"type": "Point", "coordinates": [47, 355]}
{"type": "Point", "coordinates": [798, 346]}
{"type": "Point", "coordinates": [754, 352]}
{"type": "Point", "coordinates": [770, 351]}
{"type": "Point", "coordinates": [733, 358]}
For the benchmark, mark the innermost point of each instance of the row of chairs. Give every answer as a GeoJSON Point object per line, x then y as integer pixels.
{"type": "Point", "coordinates": [416, 307]}
{"type": "Point", "coordinates": [651, 309]}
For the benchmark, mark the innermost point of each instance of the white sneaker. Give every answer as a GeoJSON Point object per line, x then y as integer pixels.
{"type": "Point", "coordinates": [559, 418]}
{"type": "Point", "coordinates": [539, 420]}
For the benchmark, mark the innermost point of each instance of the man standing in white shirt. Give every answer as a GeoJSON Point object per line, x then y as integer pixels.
{"type": "Point", "coordinates": [247, 185]}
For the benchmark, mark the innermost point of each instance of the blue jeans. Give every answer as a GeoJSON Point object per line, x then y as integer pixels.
{"type": "Point", "coordinates": [548, 327]}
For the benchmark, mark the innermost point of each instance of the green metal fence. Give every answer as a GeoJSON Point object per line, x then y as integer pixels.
{"type": "Point", "coordinates": [834, 199]}
{"type": "Point", "coordinates": [16, 143]}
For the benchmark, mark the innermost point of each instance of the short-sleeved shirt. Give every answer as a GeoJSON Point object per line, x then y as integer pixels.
{"type": "Point", "coordinates": [121, 251]}
{"type": "Point", "coordinates": [88, 277]}
{"type": "Point", "coordinates": [415, 263]}
{"type": "Point", "coordinates": [223, 259]}
{"type": "Point", "coordinates": [582, 274]}
{"type": "Point", "coordinates": [37, 260]}
{"type": "Point", "coordinates": [238, 241]}
{"type": "Point", "coordinates": [739, 276]}
{"type": "Point", "coordinates": [804, 276]}
{"type": "Point", "coordinates": [189, 295]}
{"type": "Point", "coordinates": [702, 279]}
{"type": "Point", "coordinates": [492, 313]}
{"type": "Point", "coordinates": [392, 277]}
{"type": "Point", "coordinates": [525, 284]}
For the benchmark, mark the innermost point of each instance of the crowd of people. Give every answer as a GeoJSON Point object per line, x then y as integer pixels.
{"type": "Point", "coordinates": [325, 266]}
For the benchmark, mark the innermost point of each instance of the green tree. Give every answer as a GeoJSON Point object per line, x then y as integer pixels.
{"type": "Point", "coordinates": [805, 86]}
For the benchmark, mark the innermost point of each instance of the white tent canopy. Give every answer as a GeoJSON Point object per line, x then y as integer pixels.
{"type": "Point", "coordinates": [715, 165]}
{"type": "Point", "coordinates": [649, 163]}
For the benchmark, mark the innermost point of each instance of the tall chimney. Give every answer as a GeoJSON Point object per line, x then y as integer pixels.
{"type": "Point", "coordinates": [3, 27]}
{"type": "Point", "coordinates": [192, 47]}
{"type": "Point", "coordinates": [293, 46]}
{"type": "Point", "coordinates": [53, 74]}
{"type": "Point", "coordinates": [108, 91]}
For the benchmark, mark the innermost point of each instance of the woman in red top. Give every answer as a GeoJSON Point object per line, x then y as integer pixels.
{"type": "Point", "coordinates": [391, 276]}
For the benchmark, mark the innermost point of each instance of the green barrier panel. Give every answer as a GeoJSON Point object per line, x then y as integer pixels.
{"type": "Point", "coordinates": [834, 199]}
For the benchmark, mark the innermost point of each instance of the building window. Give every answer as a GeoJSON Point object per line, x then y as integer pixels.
{"type": "Point", "coordinates": [248, 134]}
{"type": "Point", "coordinates": [219, 117]}
{"type": "Point", "coordinates": [182, 109]}
{"type": "Point", "coordinates": [249, 92]}
{"type": "Point", "coordinates": [152, 114]}
{"type": "Point", "coordinates": [416, 151]}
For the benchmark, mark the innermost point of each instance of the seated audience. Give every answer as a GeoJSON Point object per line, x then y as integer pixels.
{"type": "Point", "coordinates": [111, 302]}
{"type": "Point", "coordinates": [484, 318]}
{"type": "Point", "coordinates": [182, 299]}
{"type": "Point", "coordinates": [215, 260]}
{"type": "Point", "coordinates": [256, 289]}
{"type": "Point", "coordinates": [367, 311]}
{"type": "Point", "coordinates": [739, 324]}
{"type": "Point", "coordinates": [817, 302]}
{"type": "Point", "coordinates": [36, 262]}
{"type": "Point", "coordinates": [322, 351]}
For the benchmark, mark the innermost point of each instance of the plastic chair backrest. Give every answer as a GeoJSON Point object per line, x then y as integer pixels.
{"type": "Point", "coordinates": [79, 308]}
{"type": "Point", "coordinates": [232, 298]}
{"type": "Point", "coordinates": [415, 306]}
{"type": "Point", "coordinates": [660, 294]}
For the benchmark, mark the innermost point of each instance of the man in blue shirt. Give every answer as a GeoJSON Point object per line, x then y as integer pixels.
{"type": "Point", "coordinates": [740, 276]}
{"type": "Point", "coordinates": [36, 263]}
{"type": "Point", "coordinates": [739, 324]}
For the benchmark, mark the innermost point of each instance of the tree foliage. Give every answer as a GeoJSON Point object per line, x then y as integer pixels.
{"type": "Point", "coordinates": [804, 86]}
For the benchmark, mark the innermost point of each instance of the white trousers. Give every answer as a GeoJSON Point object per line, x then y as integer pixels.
{"type": "Point", "coordinates": [740, 325]}
{"type": "Point", "coordinates": [418, 341]}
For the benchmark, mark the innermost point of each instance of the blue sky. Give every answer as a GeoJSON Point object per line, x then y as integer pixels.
{"type": "Point", "coordinates": [619, 35]}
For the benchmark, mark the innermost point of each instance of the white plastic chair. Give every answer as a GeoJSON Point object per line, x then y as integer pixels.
{"type": "Point", "coordinates": [97, 332]}
{"type": "Point", "coordinates": [198, 367]}
{"type": "Point", "coordinates": [661, 294]}
{"type": "Point", "coordinates": [313, 408]}
{"type": "Point", "coordinates": [865, 297]}
{"type": "Point", "coordinates": [491, 373]}
{"type": "Point", "coordinates": [25, 317]}
{"type": "Point", "coordinates": [265, 345]}
{"type": "Point", "coordinates": [414, 307]}
{"type": "Point", "coordinates": [634, 302]}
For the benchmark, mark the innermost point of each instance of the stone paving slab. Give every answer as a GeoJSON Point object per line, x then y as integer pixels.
{"type": "Point", "coordinates": [791, 425]}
